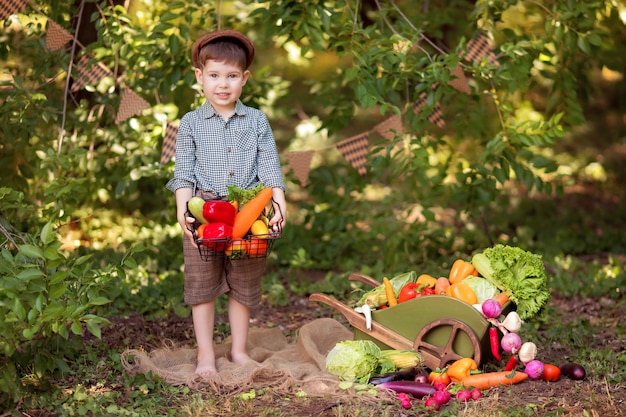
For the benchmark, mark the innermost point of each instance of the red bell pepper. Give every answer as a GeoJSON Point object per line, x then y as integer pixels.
{"type": "Point", "coordinates": [408, 292]}
{"type": "Point", "coordinates": [216, 236]}
{"type": "Point", "coordinates": [219, 211]}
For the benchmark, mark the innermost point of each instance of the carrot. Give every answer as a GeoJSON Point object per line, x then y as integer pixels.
{"type": "Point", "coordinates": [391, 296]}
{"type": "Point", "coordinates": [250, 212]}
{"type": "Point", "coordinates": [502, 298]}
{"type": "Point", "coordinates": [493, 379]}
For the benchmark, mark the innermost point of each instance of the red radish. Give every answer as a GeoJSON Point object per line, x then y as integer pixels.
{"type": "Point", "coordinates": [476, 394]}
{"type": "Point", "coordinates": [441, 397]}
{"type": "Point", "coordinates": [432, 403]}
{"type": "Point", "coordinates": [463, 395]}
{"type": "Point", "coordinates": [440, 386]}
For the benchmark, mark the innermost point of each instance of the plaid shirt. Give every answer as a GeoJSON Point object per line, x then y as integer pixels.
{"type": "Point", "coordinates": [212, 153]}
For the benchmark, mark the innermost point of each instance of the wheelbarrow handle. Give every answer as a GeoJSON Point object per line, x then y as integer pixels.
{"type": "Point", "coordinates": [378, 331]}
{"type": "Point", "coordinates": [365, 279]}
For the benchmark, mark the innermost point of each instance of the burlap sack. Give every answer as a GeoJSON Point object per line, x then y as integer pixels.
{"type": "Point", "coordinates": [277, 364]}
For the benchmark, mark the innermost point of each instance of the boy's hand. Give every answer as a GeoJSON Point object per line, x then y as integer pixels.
{"type": "Point", "coordinates": [187, 229]}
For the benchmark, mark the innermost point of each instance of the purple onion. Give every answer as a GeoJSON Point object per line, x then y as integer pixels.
{"type": "Point", "coordinates": [534, 369]}
{"type": "Point", "coordinates": [491, 308]}
{"type": "Point", "coordinates": [511, 342]}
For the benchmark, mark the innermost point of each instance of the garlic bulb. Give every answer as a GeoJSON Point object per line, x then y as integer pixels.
{"type": "Point", "coordinates": [512, 322]}
{"type": "Point", "coordinates": [527, 352]}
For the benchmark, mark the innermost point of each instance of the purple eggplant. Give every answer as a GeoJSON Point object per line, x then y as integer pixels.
{"type": "Point", "coordinates": [402, 375]}
{"type": "Point", "coordinates": [573, 371]}
{"type": "Point", "coordinates": [415, 389]}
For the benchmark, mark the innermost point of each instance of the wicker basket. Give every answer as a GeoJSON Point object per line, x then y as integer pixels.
{"type": "Point", "coordinates": [250, 246]}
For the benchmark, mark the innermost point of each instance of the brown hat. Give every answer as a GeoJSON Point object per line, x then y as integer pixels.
{"type": "Point", "coordinates": [233, 34]}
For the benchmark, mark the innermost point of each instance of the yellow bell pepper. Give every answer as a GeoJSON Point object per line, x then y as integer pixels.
{"type": "Point", "coordinates": [460, 270]}
{"type": "Point", "coordinates": [461, 368]}
{"type": "Point", "coordinates": [463, 292]}
{"type": "Point", "coordinates": [426, 279]}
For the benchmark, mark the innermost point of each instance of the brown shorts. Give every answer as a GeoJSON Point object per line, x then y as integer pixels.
{"type": "Point", "coordinates": [207, 280]}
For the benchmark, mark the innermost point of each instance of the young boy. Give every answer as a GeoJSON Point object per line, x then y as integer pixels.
{"type": "Point", "coordinates": [223, 142]}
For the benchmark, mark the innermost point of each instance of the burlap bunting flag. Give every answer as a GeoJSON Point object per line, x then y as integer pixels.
{"type": "Point", "coordinates": [169, 143]}
{"type": "Point", "coordinates": [130, 105]}
{"type": "Point", "coordinates": [89, 73]}
{"type": "Point", "coordinates": [10, 7]}
{"type": "Point", "coordinates": [56, 36]}
{"type": "Point", "coordinates": [300, 162]}
{"type": "Point", "coordinates": [478, 48]}
{"type": "Point", "coordinates": [354, 150]}
{"type": "Point", "coordinates": [460, 82]}
{"type": "Point", "coordinates": [390, 127]}
{"type": "Point", "coordinates": [436, 117]}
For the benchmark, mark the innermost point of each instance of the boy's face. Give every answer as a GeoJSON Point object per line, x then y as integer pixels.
{"type": "Point", "coordinates": [222, 84]}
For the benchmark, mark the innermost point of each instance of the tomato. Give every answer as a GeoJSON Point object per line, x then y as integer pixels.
{"type": "Point", "coordinates": [439, 377]}
{"type": "Point", "coordinates": [258, 247]}
{"type": "Point", "coordinates": [551, 373]}
{"type": "Point", "coordinates": [200, 230]}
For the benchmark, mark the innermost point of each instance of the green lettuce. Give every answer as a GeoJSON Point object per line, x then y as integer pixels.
{"type": "Point", "coordinates": [353, 360]}
{"type": "Point", "coordinates": [521, 274]}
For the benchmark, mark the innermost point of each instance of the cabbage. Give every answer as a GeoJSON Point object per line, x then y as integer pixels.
{"type": "Point", "coordinates": [353, 360]}
{"type": "Point", "coordinates": [483, 289]}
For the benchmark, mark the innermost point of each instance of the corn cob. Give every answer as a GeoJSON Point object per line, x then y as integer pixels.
{"type": "Point", "coordinates": [402, 359]}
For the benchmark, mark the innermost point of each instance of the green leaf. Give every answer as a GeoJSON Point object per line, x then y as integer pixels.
{"type": "Point", "coordinates": [98, 301]}
{"type": "Point", "coordinates": [57, 290]}
{"type": "Point", "coordinates": [31, 251]}
{"type": "Point", "coordinates": [18, 309]}
{"type": "Point", "coordinates": [47, 234]}
{"type": "Point", "coordinates": [583, 45]}
{"type": "Point", "coordinates": [94, 329]}
{"type": "Point", "coordinates": [30, 273]}
{"type": "Point", "coordinates": [58, 276]}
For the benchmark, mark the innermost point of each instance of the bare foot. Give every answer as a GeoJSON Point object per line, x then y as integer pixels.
{"type": "Point", "coordinates": [206, 367]}
{"type": "Point", "coordinates": [240, 358]}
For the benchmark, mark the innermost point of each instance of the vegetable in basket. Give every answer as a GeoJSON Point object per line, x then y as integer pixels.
{"type": "Point", "coordinates": [242, 196]}
{"type": "Point", "coordinates": [250, 212]}
{"type": "Point", "coordinates": [519, 273]}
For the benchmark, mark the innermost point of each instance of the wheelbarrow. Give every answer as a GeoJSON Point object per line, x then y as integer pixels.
{"type": "Point", "coordinates": [443, 329]}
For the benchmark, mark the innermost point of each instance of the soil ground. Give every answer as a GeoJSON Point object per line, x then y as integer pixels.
{"type": "Point", "coordinates": [593, 396]}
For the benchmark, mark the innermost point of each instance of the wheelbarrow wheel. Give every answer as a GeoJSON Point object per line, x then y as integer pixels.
{"type": "Point", "coordinates": [440, 356]}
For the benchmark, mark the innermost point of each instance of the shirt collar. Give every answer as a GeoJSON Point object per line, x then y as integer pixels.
{"type": "Point", "coordinates": [209, 111]}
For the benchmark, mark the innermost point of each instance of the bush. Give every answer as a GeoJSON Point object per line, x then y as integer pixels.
{"type": "Point", "coordinates": [46, 299]}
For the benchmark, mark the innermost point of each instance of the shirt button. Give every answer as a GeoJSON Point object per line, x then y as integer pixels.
{"type": "Point", "coordinates": [231, 173]}
{"type": "Point", "coordinates": [228, 149]}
